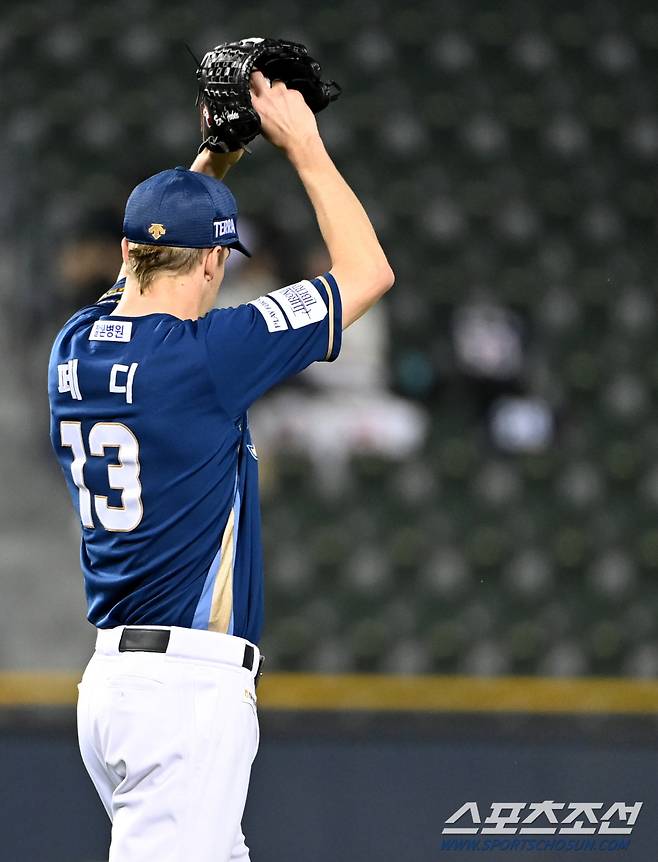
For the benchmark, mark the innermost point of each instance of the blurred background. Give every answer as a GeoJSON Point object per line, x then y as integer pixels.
{"type": "Point", "coordinates": [472, 488]}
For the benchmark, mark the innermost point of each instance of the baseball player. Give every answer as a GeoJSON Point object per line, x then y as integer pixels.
{"type": "Point", "coordinates": [149, 390]}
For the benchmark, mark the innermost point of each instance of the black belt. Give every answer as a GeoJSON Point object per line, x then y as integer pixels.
{"type": "Point", "coordinates": [157, 640]}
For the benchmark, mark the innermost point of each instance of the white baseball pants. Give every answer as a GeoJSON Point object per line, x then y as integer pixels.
{"type": "Point", "coordinates": [168, 740]}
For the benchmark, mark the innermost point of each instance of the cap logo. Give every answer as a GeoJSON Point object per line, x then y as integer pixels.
{"type": "Point", "coordinates": [157, 230]}
{"type": "Point", "coordinates": [223, 226]}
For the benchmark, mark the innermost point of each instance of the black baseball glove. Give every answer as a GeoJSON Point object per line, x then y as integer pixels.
{"type": "Point", "coordinates": [228, 119]}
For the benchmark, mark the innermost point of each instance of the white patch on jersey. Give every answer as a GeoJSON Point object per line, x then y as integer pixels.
{"type": "Point", "coordinates": [67, 379]}
{"type": "Point", "coordinates": [106, 330]}
{"type": "Point", "coordinates": [274, 317]}
{"type": "Point", "coordinates": [302, 302]}
{"type": "Point", "coordinates": [252, 451]}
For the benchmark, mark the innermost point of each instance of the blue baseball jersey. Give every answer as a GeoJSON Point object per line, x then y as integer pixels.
{"type": "Point", "coordinates": [149, 423]}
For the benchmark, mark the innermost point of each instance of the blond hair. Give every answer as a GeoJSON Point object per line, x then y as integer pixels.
{"type": "Point", "coordinates": [149, 261]}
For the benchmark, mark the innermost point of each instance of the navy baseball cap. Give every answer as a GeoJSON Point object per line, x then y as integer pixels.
{"type": "Point", "coordinates": [184, 209]}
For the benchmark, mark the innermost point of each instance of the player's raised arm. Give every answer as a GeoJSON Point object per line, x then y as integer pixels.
{"type": "Point", "coordinates": [216, 165]}
{"type": "Point", "coordinates": [358, 262]}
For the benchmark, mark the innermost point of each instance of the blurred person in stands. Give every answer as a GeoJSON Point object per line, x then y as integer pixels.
{"type": "Point", "coordinates": [331, 417]}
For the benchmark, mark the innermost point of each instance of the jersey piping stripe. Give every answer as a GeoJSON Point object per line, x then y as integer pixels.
{"type": "Point", "coordinates": [222, 594]}
{"type": "Point", "coordinates": [236, 529]}
{"type": "Point", "coordinates": [330, 298]}
{"type": "Point", "coordinates": [203, 613]}
{"type": "Point", "coordinates": [113, 292]}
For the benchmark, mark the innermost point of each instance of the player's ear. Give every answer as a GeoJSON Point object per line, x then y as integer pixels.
{"type": "Point", "coordinates": [223, 252]}
{"type": "Point", "coordinates": [124, 250]}
{"type": "Point", "coordinates": [209, 264]}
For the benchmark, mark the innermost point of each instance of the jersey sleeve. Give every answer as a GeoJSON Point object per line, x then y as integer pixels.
{"type": "Point", "coordinates": [253, 347]}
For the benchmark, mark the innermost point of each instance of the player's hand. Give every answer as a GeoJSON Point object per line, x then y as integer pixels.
{"type": "Point", "coordinates": [286, 119]}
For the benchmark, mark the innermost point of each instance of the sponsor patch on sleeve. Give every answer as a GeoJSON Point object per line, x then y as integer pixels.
{"type": "Point", "coordinates": [274, 317]}
{"type": "Point", "coordinates": [302, 303]}
{"type": "Point", "coordinates": [106, 330]}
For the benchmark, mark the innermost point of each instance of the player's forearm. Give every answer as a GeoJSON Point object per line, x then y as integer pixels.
{"type": "Point", "coordinates": [215, 165]}
{"type": "Point", "coordinates": [346, 229]}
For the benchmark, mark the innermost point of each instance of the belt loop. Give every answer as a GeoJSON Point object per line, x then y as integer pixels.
{"type": "Point", "coordinates": [248, 660]}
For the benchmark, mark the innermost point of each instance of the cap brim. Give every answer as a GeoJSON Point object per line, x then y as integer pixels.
{"type": "Point", "coordinates": [239, 247]}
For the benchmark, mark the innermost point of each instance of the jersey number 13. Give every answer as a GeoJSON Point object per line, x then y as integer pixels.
{"type": "Point", "coordinates": [122, 476]}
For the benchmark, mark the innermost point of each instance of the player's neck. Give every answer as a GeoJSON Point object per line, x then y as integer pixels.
{"type": "Point", "coordinates": [166, 295]}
